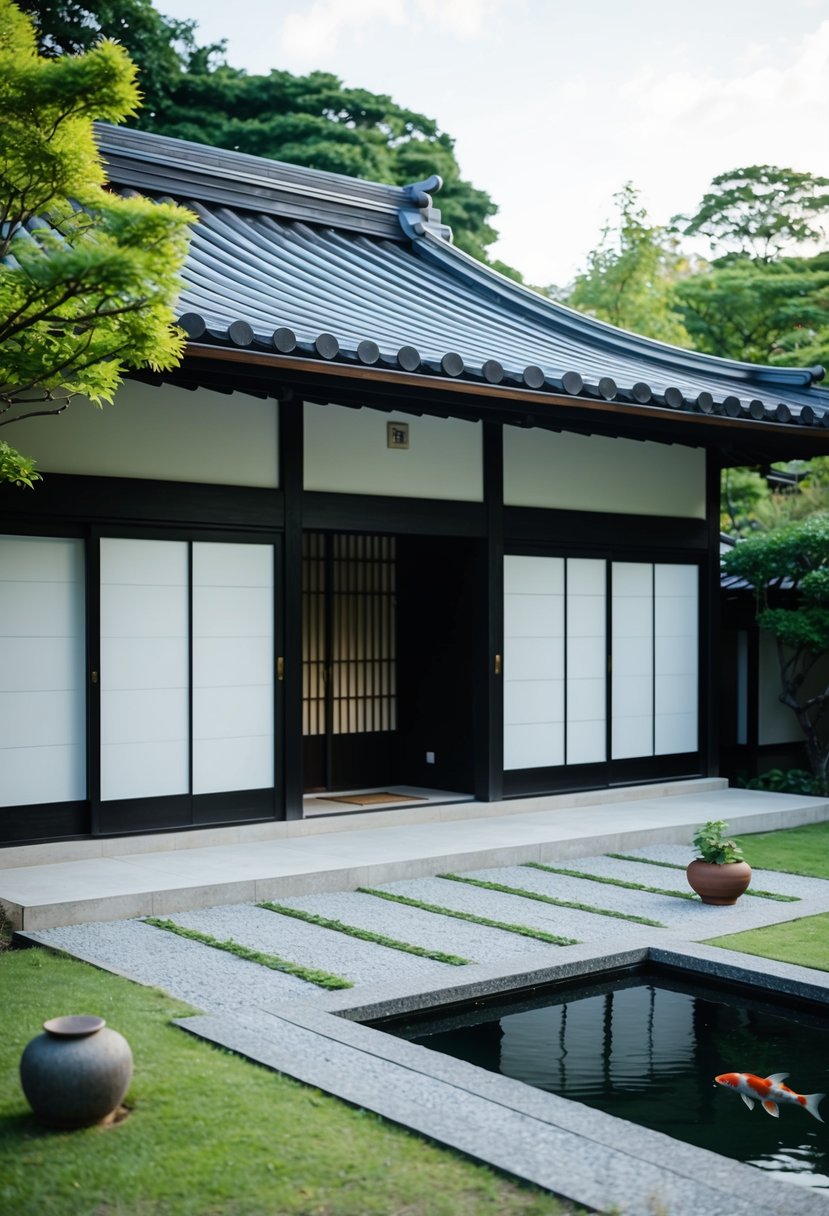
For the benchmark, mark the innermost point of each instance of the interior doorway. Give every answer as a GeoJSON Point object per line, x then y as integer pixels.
{"type": "Point", "coordinates": [349, 660]}
{"type": "Point", "coordinates": [391, 640]}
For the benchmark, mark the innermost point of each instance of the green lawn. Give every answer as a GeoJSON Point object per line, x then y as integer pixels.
{"type": "Point", "coordinates": [795, 850]}
{"type": "Point", "coordinates": [210, 1134]}
{"type": "Point", "coordinates": [805, 942]}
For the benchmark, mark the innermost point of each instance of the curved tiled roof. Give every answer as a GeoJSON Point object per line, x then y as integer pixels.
{"type": "Point", "coordinates": [300, 263]}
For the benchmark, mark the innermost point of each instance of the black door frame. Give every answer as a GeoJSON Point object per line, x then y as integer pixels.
{"type": "Point", "coordinates": [127, 816]}
{"type": "Point", "coordinates": [611, 773]}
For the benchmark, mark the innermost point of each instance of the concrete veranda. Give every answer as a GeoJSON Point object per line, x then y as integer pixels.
{"type": "Point", "coordinates": [73, 882]}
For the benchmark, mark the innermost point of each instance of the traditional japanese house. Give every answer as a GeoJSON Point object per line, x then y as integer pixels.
{"type": "Point", "coordinates": [395, 520]}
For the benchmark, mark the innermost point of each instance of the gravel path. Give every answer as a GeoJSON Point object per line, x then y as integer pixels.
{"type": "Point", "coordinates": [207, 978]}
{"type": "Point", "coordinates": [567, 922]}
{"type": "Point", "coordinates": [313, 946]}
{"type": "Point", "coordinates": [476, 942]}
{"type": "Point", "coordinates": [764, 880]}
{"type": "Point", "coordinates": [215, 980]}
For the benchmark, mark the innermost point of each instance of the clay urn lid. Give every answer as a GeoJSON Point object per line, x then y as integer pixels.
{"type": "Point", "coordinates": [74, 1026]}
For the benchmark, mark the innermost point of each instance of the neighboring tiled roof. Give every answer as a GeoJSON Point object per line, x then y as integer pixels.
{"type": "Point", "coordinates": [300, 263]}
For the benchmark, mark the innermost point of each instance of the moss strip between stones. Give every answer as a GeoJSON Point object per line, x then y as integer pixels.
{"type": "Point", "coordinates": [552, 939]}
{"type": "Point", "coordinates": [322, 979]}
{"type": "Point", "coordinates": [674, 865]}
{"type": "Point", "coordinates": [549, 899]}
{"type": "Point", "coordinates": [364, 935]}
{"type": "Point", "coordinates": [611, 882]}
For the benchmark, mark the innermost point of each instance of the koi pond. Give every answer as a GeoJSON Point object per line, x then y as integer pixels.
{"type": "Point", "coordinates": [646, 1046]}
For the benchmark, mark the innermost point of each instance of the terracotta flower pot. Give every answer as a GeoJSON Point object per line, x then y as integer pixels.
{"type": "Point", "coordinates": [77, 1072]}
{"type": "Point", "coordinates": [718, 884]}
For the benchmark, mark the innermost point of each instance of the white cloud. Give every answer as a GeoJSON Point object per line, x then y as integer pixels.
{"type": "Point", "coordinates": [314, 32]}
{"type": "Point", "coordinates": [670, 133]}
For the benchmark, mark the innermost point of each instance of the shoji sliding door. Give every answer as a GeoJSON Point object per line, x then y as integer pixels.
{"type": "Point", "coordinates": [187, 682]}
{"type": "Point", "coordinates": [145, 668]}
{"type": "Point", "coordinates": [601, 669]}
{"type": "Point", "coordinates": [233, 667]}
{"type": "Point", "coordinates": [42, 687]}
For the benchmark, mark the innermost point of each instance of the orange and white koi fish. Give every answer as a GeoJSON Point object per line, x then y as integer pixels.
{"type": "Point", "coordinates": [770, 1092]}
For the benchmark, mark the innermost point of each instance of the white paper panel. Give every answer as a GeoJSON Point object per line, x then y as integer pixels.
{"type": "Point", "coordinates": [144, 770]}
{"type": "Point", "coordinates": [533, 616]}
{"type": "Point", "coordinates": [586, 576]}
{"type": "Point", "coordinates": [586, 703]}
{"type": "Point", "coordinates": [42, 671]}
{"type": "Point", "coordinates": [676, 612]}
{"type": "Point", "coordinates": [233, 667]}
{"type": "Point", "coordinates": [533, 746]}
{"type": "Point", "coordinates": [30, 775]}
{"type": "Point", "coordinates": [676, 733]}
{"type": "Point", "coordinates": [632, 687]}
{"type": "Point", "coordinates": [145, 721]}
{"type": "Point", "coordinates": [229, 565]}
{"type": "Point", "coordinates": [586, 741]}
{"type": "Point", "coordinates": [534, 662]}
{"type": "Point", "coordinates": [143, 563]}
{"type": "Point", "coordinates": [586, 660]}
{"type": "Point", "coordinates": [533, 701]}
{"type": "Point", "coordinates": [40, 609]}
{"type": "Point", "coordinates": [534, 575]}
{"type": "Point", "coordinates": [632, 737]}
{"type": "Point", "coordinates": [236, 764]}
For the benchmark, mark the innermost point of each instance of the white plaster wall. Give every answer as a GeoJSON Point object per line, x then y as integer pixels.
{"type": "Point", "coordinates": [776, 723]}
{"type": "Point", "coordinates": [159, 432]}
{"type": "Point", "coordinates": [593, 473]}
{"type": "Point", "coordinates": [346, 453]}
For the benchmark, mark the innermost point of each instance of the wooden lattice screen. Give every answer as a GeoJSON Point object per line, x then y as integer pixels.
{"type": "Point", "coordinates": [349, 639]}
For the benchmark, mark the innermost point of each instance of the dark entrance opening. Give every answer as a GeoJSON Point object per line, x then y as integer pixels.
{"type": "Point", "coordinates": [389, 643]}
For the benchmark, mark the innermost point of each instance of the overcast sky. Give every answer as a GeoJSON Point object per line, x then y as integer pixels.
{"type": "Point", "coordinates": [555, 104]}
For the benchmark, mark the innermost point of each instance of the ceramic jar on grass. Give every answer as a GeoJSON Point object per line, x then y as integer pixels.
{"type": "Point", "coordinates": [77, 1072]}
{"type": "Point", "coordinates": [719, 874]}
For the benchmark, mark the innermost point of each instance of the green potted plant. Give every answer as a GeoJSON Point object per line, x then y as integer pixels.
{"type": "Point", "coordinates": [719, 874]}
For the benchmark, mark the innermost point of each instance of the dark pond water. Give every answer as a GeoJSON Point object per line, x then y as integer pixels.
{"type": "Point", "coordinates": [647, 1048]}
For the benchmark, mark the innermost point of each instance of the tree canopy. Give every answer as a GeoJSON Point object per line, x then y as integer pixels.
{"type": "Point", "coordinates": [759, 211]}
{"type": "Point", "coordinates": [759, 312]}
{"type": "Point", "coordinates": [88, 279]}
{"type": "Point", "coordinates": [191, 92]}
{"type": "Point", "coordinates": [795, 560]}
{"type": "Point", "coordinates": [630, 276]}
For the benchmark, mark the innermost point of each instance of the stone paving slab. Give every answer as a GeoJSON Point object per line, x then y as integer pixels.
{"type": "Point", "coordinates": [202, 976]}
{"type": "Point", "coordinates": [311, 945]}
{"type": "Point", "coordinates": [692, 918]}
{"type": "Point", "coordinates": [582, 1154]}
{"type": "Point", "coordinates": [287, 1023]}
{"type": "Point", "coordinates": [476, 942]}
{"type": "Point", "coordinates": [566, 922]}
{"type": "Point", "coordinates": [41, 887]}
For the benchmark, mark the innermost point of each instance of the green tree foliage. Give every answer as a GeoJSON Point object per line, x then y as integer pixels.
{"type": "Point", "coordinates": [760, 210]}
{"type": "Point", "coordinates": [88, 279]}
{"type": "Point", "coordinates": [789, 570]}
{"type": "Point", "coordinates": [630, 276]}
{"type": "Point", "coordinates": [759, 312]}
{"type": "Point", "coordinates": [159, 46]}
{"type": "Point", "coordinates": [190, 92]}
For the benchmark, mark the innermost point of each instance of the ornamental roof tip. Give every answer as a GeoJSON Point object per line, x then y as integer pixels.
{"type": "Point", "coordinates": [317, 265]}
{"type": "Point", "coordinates": [183, 169]}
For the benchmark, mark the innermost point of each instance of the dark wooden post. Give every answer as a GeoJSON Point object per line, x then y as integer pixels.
{"type": "Point", "coordinates": [488, 689]}
{"type": "Point", "coordinates": [291, 478]}
{"type": "Point", "coordinates": [710, 690]}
